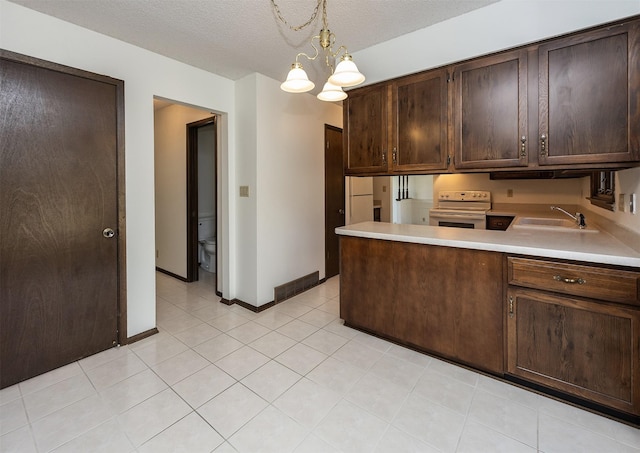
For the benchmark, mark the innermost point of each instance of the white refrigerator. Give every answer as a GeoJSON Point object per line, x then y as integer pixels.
{"type": "Point", "coordinates": [359, 199]}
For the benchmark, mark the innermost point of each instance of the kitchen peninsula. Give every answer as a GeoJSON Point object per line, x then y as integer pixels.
{"type": "Point", "coordinates": [559, 311]}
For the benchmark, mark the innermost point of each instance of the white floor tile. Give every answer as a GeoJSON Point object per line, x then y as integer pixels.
{"type": "Point", "coordinates": [454, 371]}
{"type": "Point", "coordinates": [358, 354]}
{"type": "Point", "coordinates": [511, 419]}
{"type": "Point", "coordinates": [350, 428]}
{"type": "Point", "coordinates": [103, 357]}
{"type": "Point", "coordinates": [325, 341]}
{"type": "Point", "coordinates": [297, 330]}
{"type": "Point", "coordinates": [107, 374]}
{"type": "Point", "coordinates": [202, 386]}
{"type": "Point", "coordinates": [430, 422]}
{"type": "Point", "coordinates": [181, 366]}
{"type": "Point", "coordinates": [54, 397]}
{"type": "Point", "coordinates": [9, 394]}
{"type": "Point", "coordinates": [197, 334]}
{"type": "Point", "coordinates": [443, 390]}
{"type": "Point", "coordinates": [313, 444]}
{"type": "Point", "coordinates": [372, 342]}
{"type": "Point", "coordinates": [106, 438]}
{"type": "Point", "coordinates": [66, 424]}
{"type": "Point", "coordinates": [270, 431]}
{"type": "Point", "coordinates": [273, 319]}
{"type": "Point", "coordinates": [318, 318]}
{"type": "Point", "coordinates": [379, 396]}
{"type": "Point", "coordinates": [477, 438]}
{"type": "Point", "coordinates": [218, 347]}
{"type": "Point", "coordinates": [301, 358]}
{"type": "Point", "coordinates": [307, 402]}
{"type": "Point", "coordinates": [397, 441]}
{"type": "Point", "coordinates": [18, 441]}
{"type": "Point", "coordinates": [272, 344]}
{"type": "Point", "coordinates": [559, 436]}
{"type": "Point", "coordinates": [293, 309]}
{"type": "Point", "coordinates": [271, 380]}
{"type": "Point", "coordinates": [44, 380]}
{"type": "Point", "coordinates": [336, 375]}
{"type": "Point", "coordinates": [147, 419]}
{"type": "Point", "coordinates": [509, 391]}
{"type": "Point", "coordinates": [409, 355]}
{"type": "Point", "coordinates": [191, 434]}
{"type": "Point", "coordinates": [230, 410]}
{"type": "Point", "coordinates": [12, 416]}
{"type": "Point", "coordinates": [337, 326]}
{"type": "Point", "coordinates": [228, 321]}
{"type": "Point", "coordinates": [159, 351]}
{"type": "Point", "coordinates": [248, 332]}
{"type": "Point", "coordinates": [398, 371]}
{"type": "Point", "coordinates": [125, 394]}
{"type": "Point", "coordinates": [242, 362]}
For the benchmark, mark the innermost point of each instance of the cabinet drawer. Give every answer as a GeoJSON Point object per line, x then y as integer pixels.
{"type": "Point", "coordinates": [586, 281]}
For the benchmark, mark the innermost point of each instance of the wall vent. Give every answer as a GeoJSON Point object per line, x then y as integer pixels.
{"type": "Point", "coordinates": [297, 286]}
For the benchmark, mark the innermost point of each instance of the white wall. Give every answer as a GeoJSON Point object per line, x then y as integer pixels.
{"type": "Point", "coordinates": [382, 190]}
{"type": "Point", "coordinates": [501, 25]}
{"type": "Point", "coordinates": [525, 191]}
{"type": "Point", "coordinates": [281, 158]}
{"type": "Point", "coordinates": [170, 158]}
{"type": "Point", "coordinates": [145, 74]}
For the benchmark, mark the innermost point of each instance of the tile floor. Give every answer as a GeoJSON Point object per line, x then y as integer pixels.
{"type": "Point", "coordinates": [289, 379]}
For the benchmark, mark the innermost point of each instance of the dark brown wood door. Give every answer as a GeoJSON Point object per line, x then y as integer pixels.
{"type": "Point", "coordinates": [58, 192]}
{"type": "Point", "coordinates": [420, 109]}
{"type": "Point", "coordinates": [365, 126]}
{"type": "Point", "coordinates": [584, 348]}
{"type": "Point", "coordinates": [588, 102]}
{"type": "Point", "coordinates": [491, 112]}
{"type": "Point", "coordinates": [333, 198]}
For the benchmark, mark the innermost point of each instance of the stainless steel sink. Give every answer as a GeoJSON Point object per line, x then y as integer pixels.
{"type": "Point", "coordinates": [550, 224]}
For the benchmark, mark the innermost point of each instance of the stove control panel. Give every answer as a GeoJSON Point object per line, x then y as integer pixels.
{"type": "Point", "coordinates": [464, 195]}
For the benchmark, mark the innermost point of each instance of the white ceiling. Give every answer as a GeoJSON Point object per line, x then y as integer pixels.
{"type": "Point", "coordinates": [233, 38]}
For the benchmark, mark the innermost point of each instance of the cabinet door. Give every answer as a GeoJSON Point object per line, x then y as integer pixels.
{"type": "Point", "coordinates": [368, 291]}
{"type": "Point", "coordinates": [365, 130]}
{"type": "Point", "coordinates": [420, 108]}
{"type": "Point", "coordinates": [490, 112]}
{"type": "Point", "coordinates": [580, 347]}
{"type": "Point", "coordinates": [589, 110]}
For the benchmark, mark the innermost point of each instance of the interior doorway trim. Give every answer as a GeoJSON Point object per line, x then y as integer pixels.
{"type": "Point", "coordinates": [192, 197]}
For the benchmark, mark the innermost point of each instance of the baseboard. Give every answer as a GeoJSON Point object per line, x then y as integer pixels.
{"type": "Point", "coordinates": [171, 274]}
{"type": "Point", "coordinates": [142, 335]}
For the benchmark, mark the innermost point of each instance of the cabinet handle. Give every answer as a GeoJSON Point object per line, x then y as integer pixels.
{"type": "Point", "coordinates": [510, 306]}
{"type": "Point", "coordinates": [384, 157]}
{"type": "Point", "coordinates": [395, 156]}
{"type": "Point", "coordinates": [579, 281]}
{"type": "Point", "coordinates": [543, 145]}
{"type": "Point", "coordinates": [523, 146]}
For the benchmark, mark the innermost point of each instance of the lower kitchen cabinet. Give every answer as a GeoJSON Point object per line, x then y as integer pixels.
{"type": "Point", "coordinates": [588, 349]}
{"type": "Point", "coordinates": [442, 300]}
{"type": "Point", "coordinates": [575, 328]}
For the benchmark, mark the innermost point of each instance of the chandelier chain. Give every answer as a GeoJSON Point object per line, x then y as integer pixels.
{"type": "Point", "coordinates": [298, 27]}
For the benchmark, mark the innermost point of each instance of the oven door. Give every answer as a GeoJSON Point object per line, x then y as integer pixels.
{"type": "Point", "coordinates": [458, 219]}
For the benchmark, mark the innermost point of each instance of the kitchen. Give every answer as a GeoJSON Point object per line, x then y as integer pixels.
{"type": "Point", "coordinates": [529, 269]}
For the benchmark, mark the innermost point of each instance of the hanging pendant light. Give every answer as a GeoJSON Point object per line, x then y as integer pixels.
{"type": "Point", "coordinates": [346, 73]}
{"type": "Point", "coordinates": [331, 93]}
{"type": "Point", "coordinates": [297, 80]}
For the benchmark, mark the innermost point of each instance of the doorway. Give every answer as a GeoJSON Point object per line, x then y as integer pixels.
{"type": "Point", "coordinates": [62, 254]}
{"type": "Point", "coordinates": [201, 199]}
{"type": "Point", "coordinates": [333, 197]}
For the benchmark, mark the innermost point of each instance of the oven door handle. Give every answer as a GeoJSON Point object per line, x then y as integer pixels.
{"type": "Point", "coordinates": [456, 215]}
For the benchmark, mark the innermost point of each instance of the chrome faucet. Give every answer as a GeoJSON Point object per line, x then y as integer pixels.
{"type": "Point", "coordinates": [579, 218]}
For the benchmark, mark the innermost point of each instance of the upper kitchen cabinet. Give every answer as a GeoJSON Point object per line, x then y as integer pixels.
{"type": "Point", "coordinates": [365, 130]}
{"type": "Point", "coordinates": [589, 99]}
{"type": "Point", "coordinates": [419, 127]}
{"type": "Point", "coordinates": [490, 112]}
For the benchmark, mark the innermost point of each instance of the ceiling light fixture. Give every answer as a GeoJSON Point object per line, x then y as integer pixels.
{"type": "Point", "coordinates": [346, 73]}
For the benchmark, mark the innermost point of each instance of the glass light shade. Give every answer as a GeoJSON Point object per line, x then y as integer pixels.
{"type": "Point", "coordinates": [331, 93]}
{"type": "Point", "coordinates": [297, 80]}
{"type": "Point", "coordinates": [346, 73]}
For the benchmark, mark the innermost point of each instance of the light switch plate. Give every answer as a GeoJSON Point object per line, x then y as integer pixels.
{"type": "Point", "coordinates": [244, 191]}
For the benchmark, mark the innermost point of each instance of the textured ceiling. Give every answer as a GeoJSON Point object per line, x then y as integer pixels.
{"type": "Point", "coordinates": [233, 38]}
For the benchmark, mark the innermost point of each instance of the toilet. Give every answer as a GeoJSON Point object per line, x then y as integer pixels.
{"type": "Point", "coordinates": [207, 243]}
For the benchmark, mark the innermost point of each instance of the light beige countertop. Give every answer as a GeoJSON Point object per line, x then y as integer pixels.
{"type": "Point", "coordinates": [601, 247]}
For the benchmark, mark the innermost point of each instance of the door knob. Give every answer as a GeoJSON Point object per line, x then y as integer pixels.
{"type": "Point", "coordinates": [108, 233]}
{"type": "Point", "coordinates": [341, 211]}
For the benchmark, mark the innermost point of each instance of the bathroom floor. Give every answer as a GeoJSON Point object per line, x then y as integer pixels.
{"type": "Point", "coordinates": [289, 379]}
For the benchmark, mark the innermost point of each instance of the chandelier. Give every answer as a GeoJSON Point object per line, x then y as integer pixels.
{"type": "Point", "coordinates": [346, 73]}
